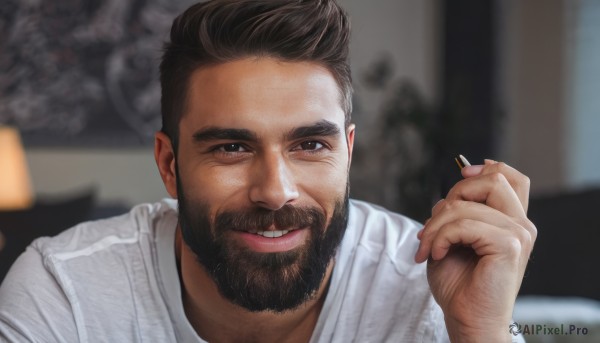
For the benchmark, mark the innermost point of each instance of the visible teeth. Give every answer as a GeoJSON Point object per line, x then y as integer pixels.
{"type": "Point", "coordinates": [272, 234]}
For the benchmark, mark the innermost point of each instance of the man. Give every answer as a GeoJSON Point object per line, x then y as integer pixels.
{"type": "Point", "coordinates": [266, 246]}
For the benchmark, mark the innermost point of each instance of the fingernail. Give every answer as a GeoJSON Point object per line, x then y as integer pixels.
{"type": "Point", "coordinates": [472, 170]}
{"type": "Point", "coordinates": [488, 162]}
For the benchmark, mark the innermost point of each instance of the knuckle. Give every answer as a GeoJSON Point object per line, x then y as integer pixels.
{"type": "Point", "coordinates": [437, 207]}
{"type": "Point", "coordinates": [530, 225]}
{"type": "Point", "coordinates": [427, 235]}
{"type": "Point", "coordinates": [527, 233]}
{"type": "Point", "coordinates": [514, 246]}
{"type": "Point", "coordinates": [499, 182]}
{"type": "Point", "coordinates": [526, 181]}
{"type": "Point", "coordinates": [498, 178]}
{"type": "Point", "coordinates": [531, 228]}
{"type": "Point", "coordinates": [451, 205]}
{"type": "Point", "coordinates": [524, 237]}
{"type": "Point", "coordinates": [502, 165]}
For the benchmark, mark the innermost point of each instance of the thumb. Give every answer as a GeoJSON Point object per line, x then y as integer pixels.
{"type": "Point", "coordinates": [471, 171]}
{"type": "Point", "coordinates": [475, 170]}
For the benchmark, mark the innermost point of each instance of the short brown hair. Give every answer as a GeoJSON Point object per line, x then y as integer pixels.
{"type": "Point", "coordinates": [220, 31]}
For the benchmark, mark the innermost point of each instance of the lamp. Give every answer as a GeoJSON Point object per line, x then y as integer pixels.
{"type": "Point", "coordinates": [15, 185]}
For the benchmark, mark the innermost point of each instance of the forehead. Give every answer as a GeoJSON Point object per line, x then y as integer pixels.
{"type": "Point", "coordinates": [262, 92]}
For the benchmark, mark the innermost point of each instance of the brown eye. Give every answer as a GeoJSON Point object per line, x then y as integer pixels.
{"type": "Point", "coordinates": [311, 145]}
{"type": "Point", "coordinates": [232, 147]}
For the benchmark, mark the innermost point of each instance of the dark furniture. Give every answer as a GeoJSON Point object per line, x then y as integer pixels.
{"type": "Point", "coordinates": [45, 218]}
{"type": "Point", "coordinates": [566, 257]}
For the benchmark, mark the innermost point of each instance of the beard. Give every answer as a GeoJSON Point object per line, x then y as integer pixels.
{"type": "Point", "coordinates": [278, 281]}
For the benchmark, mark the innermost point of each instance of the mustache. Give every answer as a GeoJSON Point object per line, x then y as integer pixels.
{"type": "Point", "coordinates": [287, 217]}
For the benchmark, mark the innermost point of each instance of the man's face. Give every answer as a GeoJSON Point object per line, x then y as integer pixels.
{"type": "Point", "coordinates": [262, 176]}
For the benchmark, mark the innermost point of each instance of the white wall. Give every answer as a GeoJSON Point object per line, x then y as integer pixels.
{"type": "Point", "coordinates": [550, 52]}
{"type": "Point", "coordinates": [583, 129]}
{"type": "Point", "coordinates": [533, 56]}
{"type": "Point", "coordinates": [125, 175]}
{"type": "Point", "coordinates": [404, 28]}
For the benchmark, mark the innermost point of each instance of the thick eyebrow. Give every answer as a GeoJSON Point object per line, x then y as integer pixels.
{"type": "Point", "coordinates": [213, 133]}
{"type": "Point", "coordinates": [322, 128]}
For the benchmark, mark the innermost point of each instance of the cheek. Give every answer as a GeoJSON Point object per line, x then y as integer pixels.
{"type": "Point", "coordinates": [215, 185]}
{"type": "Point", "coordinates": [324, 183]}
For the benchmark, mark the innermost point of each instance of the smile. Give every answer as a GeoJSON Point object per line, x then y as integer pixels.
{"type": "Point", "coordinates": [269, 233]}
{"type": "Point", "coordinates": [272, 234]}
{"type": "Point", "coordinates": [268, 241]}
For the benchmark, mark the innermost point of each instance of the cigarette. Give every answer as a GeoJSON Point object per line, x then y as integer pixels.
{"type": "Point", "coordinates": [462, 161]}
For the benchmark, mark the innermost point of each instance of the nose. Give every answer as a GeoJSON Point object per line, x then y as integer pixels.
{"type": "Point", "coordinates": [273, 184]}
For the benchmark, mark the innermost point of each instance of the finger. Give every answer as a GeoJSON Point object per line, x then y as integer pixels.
{"type": "Point", "coordinates": [521, 185]}
{"type": "Point", "coordinates": [449, 211]}
{"type": "Point", "coordinates": [471, 171]}
{"type": "Point", "coordinates": [420, 233]}
{"type": "Point", "coordinates": [518, 181]}
{"type": "Point", "coordinates": [492, 189]}
{"type": "Point", "coordinates": [473, 210]}
{"type": "Point", "coordinates": [462, 205]}
{"type": "Point", "coordinates": [483, 238]}
{"type": "Point", "coordinates": [476, 169]}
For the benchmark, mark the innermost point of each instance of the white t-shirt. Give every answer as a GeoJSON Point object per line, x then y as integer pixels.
{"type": "Point", "coordinates": [116, 280]}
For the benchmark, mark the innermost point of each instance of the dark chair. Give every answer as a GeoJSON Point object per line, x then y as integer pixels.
{"type": "Point", "coordinates": [47, 217]}
{"type": "Point", "coordinates": [566, 257]}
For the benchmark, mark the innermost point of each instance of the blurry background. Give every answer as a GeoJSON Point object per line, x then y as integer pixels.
{"type": "Point", "coordinates": [511, 80]}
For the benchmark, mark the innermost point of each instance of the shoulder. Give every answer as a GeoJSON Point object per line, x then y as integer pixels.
{"type": "Point", "coordinates": [89, 237]}
{"type": "Point", "coordinates": [95, 269]}
{"type": "Point", "coordinates": [108, 254]}
{"type": "Point", "coordinates": [26, 286]}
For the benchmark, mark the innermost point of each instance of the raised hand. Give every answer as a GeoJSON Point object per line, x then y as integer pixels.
{"type": "Point", "coordinates": [478, 241]}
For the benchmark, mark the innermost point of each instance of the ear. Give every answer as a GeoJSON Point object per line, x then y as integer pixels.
{"type": "Point", "coordinates": [350, 141]}
{"type": "Point", "coordinates": [165, 160]}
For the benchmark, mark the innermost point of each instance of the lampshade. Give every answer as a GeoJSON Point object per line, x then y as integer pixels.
{"type": "Point", "coordinates": [15, 185]}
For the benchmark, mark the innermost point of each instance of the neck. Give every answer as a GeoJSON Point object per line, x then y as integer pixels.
{"type": "Point", "coordinates": [216, 319]}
